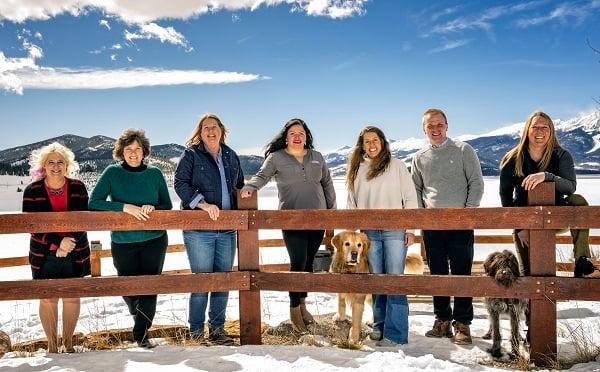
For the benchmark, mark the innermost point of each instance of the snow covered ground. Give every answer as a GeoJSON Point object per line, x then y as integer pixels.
{"type": "Point", "coordinates": [20, 319]}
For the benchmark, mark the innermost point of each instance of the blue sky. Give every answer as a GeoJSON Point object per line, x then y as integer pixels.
{"type": "Point", "coordinates": [86, 68]}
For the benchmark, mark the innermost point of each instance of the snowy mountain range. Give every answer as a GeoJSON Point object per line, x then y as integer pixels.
{"type": "Point", "coordinates": [579, 135]}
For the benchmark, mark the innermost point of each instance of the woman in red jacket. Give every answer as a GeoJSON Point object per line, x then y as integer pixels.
{"type": "Point", "coordinates": [57, 255]}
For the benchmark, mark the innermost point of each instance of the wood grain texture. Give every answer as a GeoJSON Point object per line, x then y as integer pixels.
{"type": "Point", "coordinates": [124, 285]}
{"type": "Point", "coordinates": [119, 221]}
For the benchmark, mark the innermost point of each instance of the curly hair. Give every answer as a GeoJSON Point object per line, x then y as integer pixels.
{"type": "Point", "coordinates": [128, 137]}
{"type": "Point", "coordinates": [279, 143]}
{"type": "Point", "coordinates": [38, 158]}
{"type": "Point", "coordinates": [378, 165]}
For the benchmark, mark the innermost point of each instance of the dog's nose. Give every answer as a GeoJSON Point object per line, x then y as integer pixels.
{"type": "Point", "coordinates": [353, 255]}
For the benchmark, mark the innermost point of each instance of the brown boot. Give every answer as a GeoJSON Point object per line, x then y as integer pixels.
{"type": "Point", "coordinates": [441, 328]}
{"type": "Point", "coordinates": [296, 318]}
{"type": "Point", "coordinates": [462, 334]}
{"type": "Point", "coordinates": [308, 319]}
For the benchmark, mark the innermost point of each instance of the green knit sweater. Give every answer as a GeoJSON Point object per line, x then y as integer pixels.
{"type": "Point", "coordinates": [126, 187]}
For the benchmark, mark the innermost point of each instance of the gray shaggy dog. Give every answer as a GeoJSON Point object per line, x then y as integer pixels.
{"type": "Point", "coordinates": [504, 268]}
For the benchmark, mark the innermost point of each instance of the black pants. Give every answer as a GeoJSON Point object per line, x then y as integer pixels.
{"type": "Point", "coordinates": [140, 258]}
{"type": "Point", "coordinates": [302, 245]}
{"type": "Point", "coordinates": [454, 247]}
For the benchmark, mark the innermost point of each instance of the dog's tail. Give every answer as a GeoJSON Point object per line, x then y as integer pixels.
{"type": "Point", "coordinates": [414, 264]}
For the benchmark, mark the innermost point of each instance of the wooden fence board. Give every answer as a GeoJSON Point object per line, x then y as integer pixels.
{"type": "Point", "coordinates": [431, 219]}
{"type": "Point", "coordinates": [124, 285]}
{"type": "Point", "coordinates": [103, 221]}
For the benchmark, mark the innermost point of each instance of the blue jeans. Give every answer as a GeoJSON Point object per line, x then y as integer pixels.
{"type": "Point", "coordinates": [209, 251]}
{"type": "Point", "coordinates": [387, 255]}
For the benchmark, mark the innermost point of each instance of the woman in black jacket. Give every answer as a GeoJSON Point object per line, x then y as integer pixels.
{"type": "Point", "coordinates": [208, 177]}
{"type": "Point", "coordinates": [537, 158]}
{"type": "Point", "coordinates": [57, 255]}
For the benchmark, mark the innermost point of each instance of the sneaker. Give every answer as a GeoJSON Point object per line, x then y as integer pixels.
{"type": "Point", "coordinates": [585, 268]}
{"type": "Point", "coordinates": [218, 336]}
{"type": "Point", "coordinates": [147, 343]}
{"type": "Point", "coordinates": [462, 334]}
{"type": "Point", "coordinates": [441, 328]}
{"type": "Point", "coordinates": [376, 334]}
{"type": "Point", "coordinates": [386, 342]}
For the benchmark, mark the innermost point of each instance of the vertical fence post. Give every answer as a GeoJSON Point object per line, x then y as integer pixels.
{"type": "Point", "coordinates": [542, 262]}
{"type": "Point", "coordinates": [96, 258]}
{"type": "Point", "coordinates": [248, 260]}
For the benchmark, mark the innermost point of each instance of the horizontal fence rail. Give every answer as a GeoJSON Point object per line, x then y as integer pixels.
{"type": "Point", "coordinates": [543, 288]}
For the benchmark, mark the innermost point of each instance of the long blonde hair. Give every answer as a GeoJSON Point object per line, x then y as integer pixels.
{"type": "Point", "coordinates": [38, 158]}
{"type": "Point", "coordinates": [517, 152]}
{"type": "Point", "coordinates": [196, 137]}
{"type": "Point", "coordinates": [378, 165]}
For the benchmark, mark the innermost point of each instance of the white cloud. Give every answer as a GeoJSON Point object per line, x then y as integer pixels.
{"type": "Point", "coordinates": [18, 74]}
{"type": "Point", "coordinates": [113, 57]}
{"type": "Point", "coordinates": [561, 13]}
{"type": "Point", "coordinates": [129, 59]}
{"type": "Point", "coordinates": [38, 36]}
{"type": "Point", "coordinates": [135, 11]}
{"type": "Point", "coordinates": [449, 45]}
{"type": "Point", "coordinates": [104, 23]}
{"type": "Point", "coordinates": [117, 46]}
{"type": "Point", "coordinates": [154, 31]}
{"type": "Point", "coordinates": [484, 19]}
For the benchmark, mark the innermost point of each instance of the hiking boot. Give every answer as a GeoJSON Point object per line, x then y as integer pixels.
{"type": "Point", "coordinates": [386, 342]}
{"type": "Point", "coordinates": [441, 328]}
{"type": "Point", "coordinates": [462, 334]}
{"type": "Point", "coordinates": [584, 268]}
{"type": "Point", "coordinates": [147, 343]}
{"type": "Point", "coordinates": [306, 316]}
{"type": "Point", "coordinates": [218, 336]}
{"type": "Point", "coordinates": [376, 334]}
{"type": "Point", "coordinates": [297, 321]}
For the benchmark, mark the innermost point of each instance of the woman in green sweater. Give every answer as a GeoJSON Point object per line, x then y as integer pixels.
{"type": "Point", "coordinates": [137, 189]}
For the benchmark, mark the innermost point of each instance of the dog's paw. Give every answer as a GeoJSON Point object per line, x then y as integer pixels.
{"type": "Point", "coordinates": [487, 335]}
{"type": "Point", "coordinates": [339, 317]}
{"type": "Point", "coordinates": [496, 352]}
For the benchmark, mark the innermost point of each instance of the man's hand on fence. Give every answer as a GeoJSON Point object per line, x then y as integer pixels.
{"type": "Point", "coordinates": [246, 193]}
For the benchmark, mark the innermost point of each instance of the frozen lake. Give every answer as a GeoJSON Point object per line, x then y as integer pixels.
{"type": "Point", "coordinates": [14, 245]}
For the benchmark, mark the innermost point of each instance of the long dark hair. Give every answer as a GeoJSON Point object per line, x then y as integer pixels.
{"type": "Point", "coordinates": [278, 142]}
{"type": "Point", "coordinates": [378, 165]}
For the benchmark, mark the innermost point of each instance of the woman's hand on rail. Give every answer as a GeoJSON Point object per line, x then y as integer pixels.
{"type": "Point", "coordinates": [213, 210]}
{"type": "Point", "coordinates": [246, 193]}
{"type": "Point", "coordinates": [147, 209]}
{"type": "Point", "coordinates": [136, 212]}
{"type": "Point", "coordinates": [534, 179]}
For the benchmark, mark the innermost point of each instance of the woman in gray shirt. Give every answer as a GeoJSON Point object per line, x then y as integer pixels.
{"type": "Point", "coordinates": [303, 182]}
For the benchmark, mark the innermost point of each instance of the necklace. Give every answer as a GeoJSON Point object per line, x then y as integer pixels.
{"type": "Point", "coordinates": [57, 191]}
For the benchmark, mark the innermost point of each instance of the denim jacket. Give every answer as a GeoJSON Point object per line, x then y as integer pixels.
{"type": "Point", "coordinates": [198, 173]}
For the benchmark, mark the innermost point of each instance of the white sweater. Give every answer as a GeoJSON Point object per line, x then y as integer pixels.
{"type": "Point", "coordinates": [392, 189]}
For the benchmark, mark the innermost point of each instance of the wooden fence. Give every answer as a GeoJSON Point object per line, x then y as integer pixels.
{"type": "Point", "coordinates": [543, 287]}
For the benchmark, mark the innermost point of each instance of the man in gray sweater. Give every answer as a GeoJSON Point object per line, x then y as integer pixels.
{"type": "Point", "coordinates": [447, 174]}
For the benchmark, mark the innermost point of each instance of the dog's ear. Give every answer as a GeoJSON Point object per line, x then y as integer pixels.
{"type": "Point", "coordinates": [365, 240]}
{"type": "Point", "coordinates": [335, 241]}
{"type": "Point", "coordinates": [488, 264]}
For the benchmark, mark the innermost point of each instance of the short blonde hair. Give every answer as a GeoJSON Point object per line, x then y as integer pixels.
{"type": "Point", "coordinates": [434, 111]}
{"type": "Point", "coordinates": [38, 159]}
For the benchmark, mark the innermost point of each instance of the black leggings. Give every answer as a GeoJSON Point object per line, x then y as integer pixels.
{"type": "Point", "coordinates": [140, 258]}
{"type": "Point", "coordinates": [302, 245]}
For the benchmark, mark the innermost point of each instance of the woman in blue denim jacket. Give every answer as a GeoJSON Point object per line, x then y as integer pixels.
{"type": "Point", "coordinates": [208, 177]}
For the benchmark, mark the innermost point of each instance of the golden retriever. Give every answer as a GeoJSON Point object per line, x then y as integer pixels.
{"type": "Point", "coordinates": [350, 256]}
